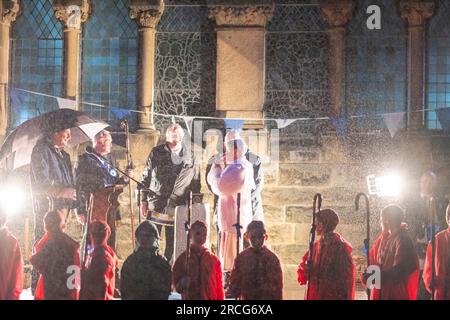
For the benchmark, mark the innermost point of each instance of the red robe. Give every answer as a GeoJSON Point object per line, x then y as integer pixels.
{"type": "Point", "coordinates": [333, 273]}
{"type": "Point", "coordinates": [99, 276]}
{"type": "Point", "coordinates": [54, 255]}
{"type": "Point", "coordinates": [205, 273]}
{"type": "Point", "coordinates": [399, 266]}
{"type": "Point", "coordinates": [257, 275]}
{"type": "Point", "coordinates": [11, 266]}
{"type": "Point", "coordinates": [374, 256]}
{"type": "Point", "coordinates": [442, 266]}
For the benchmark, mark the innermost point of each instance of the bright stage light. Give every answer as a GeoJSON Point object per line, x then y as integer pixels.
{"type": "Point", "coordinates": [385, 186]}
{"type": "Point", "coordinates": [11, 199]}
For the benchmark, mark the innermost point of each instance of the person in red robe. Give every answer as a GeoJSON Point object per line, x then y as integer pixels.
{"type": "Point", "coordinates": [56, 254]}
{"type": "Point", "coordinates": [442, 264]}
{"type": "Point", "coordinates": [333, 270]}
{"type": "Point", "coordinates": [99, 275]}
{"type": "Point", "coordinates": [203, 280]}
{"type": "Point", "coordinates": [11, 263]}
{"type": "Point", "coordinates": [397, 259]}
{"type": "Point", "coordinates": [257, 273]}
{"type": "Point", "coordinates": [374, 255]}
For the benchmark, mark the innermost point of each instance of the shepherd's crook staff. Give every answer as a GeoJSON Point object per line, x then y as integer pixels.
{"type": "Point", "coordinates": [124, 125]}
{"type": "Point", "coordinates": [317, 204]}
{"type": "Point", "coordinates": [367, 239]}
{"type": "Point", "coordinates": [433, 246]}
{"type": "Point", "coordinates": [187, 227]}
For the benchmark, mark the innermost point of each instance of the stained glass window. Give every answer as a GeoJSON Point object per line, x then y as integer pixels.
{"type": "Point", "coordinates": [109, 51]}
{"type": "Point", "coordinates": [438, 83]}
{"type": "Point", "coordinates": [185, 63]}
{"type": "Point", "coordinates": [375, 65]}
{"type": "Point", "coordinates": [36, 56]}
{"type": "Point", "coordinates": [297, 52]}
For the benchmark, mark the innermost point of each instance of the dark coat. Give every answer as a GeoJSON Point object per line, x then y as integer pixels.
{"type": "Point", "coordinates": [170, 178]}
{"type": "Point", "coordinates": [146, 275]}
{"type": "Point", "coordinates": [50, 171]}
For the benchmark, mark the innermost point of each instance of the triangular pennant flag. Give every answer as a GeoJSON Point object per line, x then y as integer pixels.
{"type": "Point", "coordinates": [443, 115]}
{"type": "Point", "coordinates": [16, 100]}
{"type": "Point", "coordinates": [235, 124]}
{"type": "Point", "coordinates": [283, 123]}
{"type": "Point", "coordinates": [188, 122]}
{"type": "Point", "coordinates": [393, 121]}
{"type": "Point", "coordinates": [173, 120]}
{"type": "Point", "coordinates": [340, 124]}
{"type": "Point", "coordinates": [66, 103]}
{"type": "Point", "coordinates": [120, 113]}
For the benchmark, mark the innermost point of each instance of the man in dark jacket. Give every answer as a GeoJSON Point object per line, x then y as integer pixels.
{"type": "Point", "coordinates": [93, 173]}
{"type": "Point", "coordinates": [146, 275]}
{"type": "Point", "coordinates": [51, 176]}
{"type": "Point", "coordinates": [170, 174]}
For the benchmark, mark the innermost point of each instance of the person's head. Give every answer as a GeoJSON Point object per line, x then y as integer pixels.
{"type": "Point", "coordinates": [235, 149]}
{"type": "Point", "coordinates": [3, 217]}
{"type": "Point", "coordinates": [392, 216]}
{"type": "Point", "coordinates": [326, 221]}
{"type": "Point", "coordinates": [383, 223]}
{"type": "Point", "coordinates": [174, 134]}
{"type": "Point", "coordinates": [100, 233]}
{"type": "Point", "coordinates": [256, 234]}
{"type": "Point", "coordinates": [147, 235]}
{"type": "Point", "coordinates": [54, 221]}
{"type": "Point", "coordinates": [61, 138]}
{"type": "Point", "coordinates": [427, 183]}
{"type": "Point", "coordinates": [199, 233]}
{"type": "Point", "coordinates": [102, 142]}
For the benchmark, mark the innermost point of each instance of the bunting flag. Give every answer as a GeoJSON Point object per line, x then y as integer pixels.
{"type": "Point", "coordinates": [340, 124]}
{"type": "Point", "coordinates": [443, 116]}
{"type": "Point", "coordinates": [120, 113]}
{"type": "Point", "coordinates": [393, 121]}
{"type": "Point", "coordinates": [283, 123]}
{"type": "Point", "coordinates": [188, 121]}
{"type": "Point", "coordinates": [173, 120]}
{"type": "Point", "coordinates": [66, 103]}
{"type": "Point", "coordinates": [234, 124]}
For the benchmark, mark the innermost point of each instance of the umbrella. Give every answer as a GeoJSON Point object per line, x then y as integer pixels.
{"type": "Point", "coordinates": [18, 146]}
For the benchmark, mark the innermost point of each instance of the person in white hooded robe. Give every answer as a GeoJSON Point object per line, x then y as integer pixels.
{"type": "Point", "coordinates": [230, 175]}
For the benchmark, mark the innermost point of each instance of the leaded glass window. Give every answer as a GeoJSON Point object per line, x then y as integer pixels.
{"type": "Point", "coordinates": [185, 63]}
{"type": "Point", "coordinates": [36, 56]}
{"type": "Point", "coordinates": [375, 65]}
{"type": "Point", "coordinates": [109, 65]}
{"type": "Point", "coordinates": [438, 83]}
{"type": "Point", "coordinates": [297, 51]}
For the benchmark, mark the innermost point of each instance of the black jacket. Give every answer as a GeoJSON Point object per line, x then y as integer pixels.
{"type": "Point", "coordinates": [146, 275]}
{"type": "Point", "coordinates": [50, 170]}
{"type": "Point", "coordinates": [170, 177]}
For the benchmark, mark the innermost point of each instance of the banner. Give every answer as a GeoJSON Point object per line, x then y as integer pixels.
{"type": "Point", "coordinates": [120, 113]}
{"type": "Point", "coordinates": [283, 123]}
{"type": "Point", "coordinates": [66, 103]}
{"type": "Point", "coordinates": [393, 121]}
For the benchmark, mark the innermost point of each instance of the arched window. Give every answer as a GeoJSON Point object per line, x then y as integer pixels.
{"type": "Point", "coordinates": [185, 79]}
{"type": "Point", "coordinates": [36, 56]}
{"type": "Point", "coordinates": [109, 59]}
{"type": "Point", "coordinates": [375, 65]}
{"type": "Point", "coordinates": [297, 51]}
{"type": "Point", "coordinates": [438, 84]}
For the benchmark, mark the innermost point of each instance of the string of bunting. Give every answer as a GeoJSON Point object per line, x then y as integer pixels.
{"type": "Point", "coordinates": [393, 120]}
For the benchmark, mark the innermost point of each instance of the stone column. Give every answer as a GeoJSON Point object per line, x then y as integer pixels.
{"type": "Point", "coordinates": [240, 74]}
{"type": "Point", "coordinates": [416, 13]}
{"type": "Point", "coordinates": [71, 13]}
{"type": "Point", "coordinates": [337, 14]}
{"type": "Point", "coordinates": [8, 13]}
{"type": "Point", "coordinates": [147, 14]}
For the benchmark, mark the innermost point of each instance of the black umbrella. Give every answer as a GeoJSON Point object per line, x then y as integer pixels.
{"type": "Point", "coordinates": [17, 147]}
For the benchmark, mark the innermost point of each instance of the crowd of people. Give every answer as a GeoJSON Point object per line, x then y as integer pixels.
{"type": "Point", "coordinates": [243, 267]}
